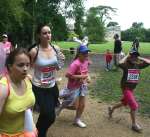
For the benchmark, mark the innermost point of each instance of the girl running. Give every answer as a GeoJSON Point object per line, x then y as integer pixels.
{"type": "Point", "coordinates": [16, 97]}
{"type": "Point", "coordinates": [77, 84]}
{"type": "Point", "coordinates": [131, 65]}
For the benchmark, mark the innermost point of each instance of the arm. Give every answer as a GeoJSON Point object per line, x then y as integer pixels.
{"type": "Point", "coordinates": [59, 52]}
{"type": "Point", "coordinates": [74, 71]}
{"type": "Point", "coordinates": [124, 59]}
{"type": "Point", "coordinates": [33, 54]}
{"type": "Point", "coordinates": [60, 57]}
{"type": "Point", "coordinates": [122, 62]}
{"type": "Point", "coordinates": [144, 59]}
{"type": "Point", "coordinates": [3, 96]}
{"type": "Point", "coordinates": [68, 75]}
{"type": "Point", "coordinates": [29, 123]}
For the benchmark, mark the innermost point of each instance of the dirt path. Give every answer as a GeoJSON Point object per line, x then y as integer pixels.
{"type": "Point", "coordinates": [98, 124]}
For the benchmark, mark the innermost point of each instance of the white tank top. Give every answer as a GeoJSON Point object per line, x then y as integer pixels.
{"type": "Point", "coordinates": [45, 71]}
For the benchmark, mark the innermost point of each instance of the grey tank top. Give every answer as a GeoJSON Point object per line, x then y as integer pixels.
{"type": "Point", "coordinates": [45, 71]}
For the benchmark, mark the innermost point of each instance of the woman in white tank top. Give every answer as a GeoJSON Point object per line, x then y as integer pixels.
{"type": "Point", "coordinates": [45, 64]}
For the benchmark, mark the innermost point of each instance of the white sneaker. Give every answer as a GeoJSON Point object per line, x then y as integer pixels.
{"type": "Point", "coordinates": [137, 128]}
{"type": "Point", "coordinates": [79, 123]}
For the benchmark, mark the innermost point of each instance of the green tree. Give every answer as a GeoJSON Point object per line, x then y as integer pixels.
{"type": "Point", "coordinates": [11, 17]}
{"type": "Point", "coordinates": [10, 10]}
{"type": "Point", "coordinates": [137, 25]}
{"type": "Point", "coordinates": [78, 15]}
{"type": "Point", "coordinates": [95, 22]}
{"type": "Point", "coordinates": [20, 18]}
{"type": "Point", "coordinates": [59, 28]}
{"type": "Point", "coordinates": [50, 12]}
{"type": "Point", "coordinates": [136, 30]}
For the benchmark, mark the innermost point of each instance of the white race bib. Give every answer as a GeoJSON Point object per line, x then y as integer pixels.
{"type": "Point", "coordinates": [47, 75]}
{"type": "Point", "coordinates": [133, 75]}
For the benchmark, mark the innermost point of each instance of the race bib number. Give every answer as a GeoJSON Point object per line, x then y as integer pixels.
{"type": "Point", "coordinates": [47, 75]}
{"type": "Point", "coordinates": [133, 75]}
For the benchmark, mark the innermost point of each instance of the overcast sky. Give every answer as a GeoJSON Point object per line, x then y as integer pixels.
{"type": "Point", "coordinates": [129, 11]}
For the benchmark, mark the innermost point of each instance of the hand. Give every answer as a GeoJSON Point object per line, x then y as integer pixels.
{"type": "Point", "coordinates": [88, 79]}
{"type": "Point", "coordinates": [84, 76]}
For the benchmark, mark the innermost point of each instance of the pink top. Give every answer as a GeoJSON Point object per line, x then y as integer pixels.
{"type": "Point", "coordinates": [7, 47]}
{"type": "Point", "coordinates": [77, 68]}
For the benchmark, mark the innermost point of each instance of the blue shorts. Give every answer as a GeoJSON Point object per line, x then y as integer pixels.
{"type": "Point", "coordinates": [70, 96]}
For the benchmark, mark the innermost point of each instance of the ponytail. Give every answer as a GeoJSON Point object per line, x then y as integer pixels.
{"type": "Point", "coordinates": [77, 54]}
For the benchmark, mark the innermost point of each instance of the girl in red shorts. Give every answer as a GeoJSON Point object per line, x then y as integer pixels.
{"type": "Point", "coordinates": [131, 65]}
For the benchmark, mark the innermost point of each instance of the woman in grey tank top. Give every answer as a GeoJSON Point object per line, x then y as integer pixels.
{"type": "Point", "coordinates": [45, 64]}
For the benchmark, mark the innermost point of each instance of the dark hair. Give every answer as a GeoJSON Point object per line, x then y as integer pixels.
{"type": "Point", "coordinates": [116, 36]}
{"type": "Point", "coordinates": [36, 44]}
{"type": "Point", "coordinates": [38, 31]}
{"type": "Point", "coordinates": [77, 53]}
{"type": "Point", "coordinates": [11, 57]}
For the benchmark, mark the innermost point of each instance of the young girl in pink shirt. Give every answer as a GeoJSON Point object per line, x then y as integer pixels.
{"type": "Point", "coordinates": [76, 89]}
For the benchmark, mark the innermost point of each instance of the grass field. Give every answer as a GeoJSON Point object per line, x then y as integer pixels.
{"type": "Point", "coordinates": [101, 48]}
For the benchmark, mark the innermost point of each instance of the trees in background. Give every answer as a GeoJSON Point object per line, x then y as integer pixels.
{"type": "Point", "coordinates": [78, 16]}
{"type": "Point", "coordinates": [95, 22]}
{"type": "Point", "coordinates": [136, 30]}
{"type": "Point", "coordinates": [12, 16]}
{"type": "Point", "coordinates": [94, 28]}
{"type": "Point", "coordinates": [19, 18]}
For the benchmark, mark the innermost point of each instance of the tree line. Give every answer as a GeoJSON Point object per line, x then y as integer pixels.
{"type": "Point", "coordinates": [19, 19]}
{"type": "Point", "coordinates": [137, 30]}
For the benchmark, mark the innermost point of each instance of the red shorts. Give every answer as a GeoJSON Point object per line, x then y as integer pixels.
{"type": "Point", "coordinates": [129, 99]}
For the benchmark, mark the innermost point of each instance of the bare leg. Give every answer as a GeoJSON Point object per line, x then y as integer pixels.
{"type": "Point", "coordinates": [74, 106]}
{"type": "Point", "coordinates": [135, 126]}
{"type": "Point", "coordinates": [79, 112]}
{"type": "Point", "coordinates": [65, 104]}
{"type": "Point", "coordinates": [132, 113]}
{"type": "Point", "coordinates": [111, 109]}
{"type": "Point", "coordinates": [80, 107]}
